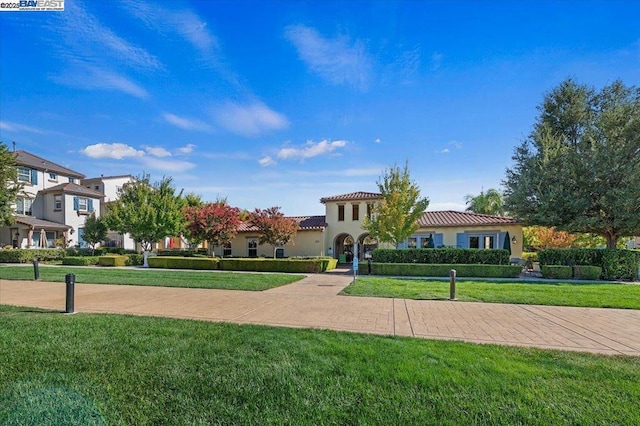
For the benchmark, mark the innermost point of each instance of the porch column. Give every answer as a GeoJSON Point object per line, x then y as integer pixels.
{"type": "Point", "coordinates": [29, 237]}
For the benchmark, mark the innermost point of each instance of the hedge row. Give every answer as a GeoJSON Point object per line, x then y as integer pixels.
{"type": "Point", "coordinates": [556, 272]}
{"type": "Point", "coordinates": [442, 270]}
{"type": "Point", "coordinates": [183, 252]}
{"type": "Point", "coordinates": [442, 256]}
{"type": "Point", "coordinates": [113, 260]}
{"type": "Point", "coordinates": [28, 255]}
{"type": "Point", "coordinates": [314, 265]}
{"type": "Point", "coordinates": [591, 273]}
{"type": "Point", "coordinates": [578, 272]}
{"type": "Point", "coordinates": [616, 264]}
{"type": "Point", "coordinates": [100, 251]}
{"type": "Point", "coordinates": [176, 262]}
{"type": "Point", "coordinates": [80, 260]}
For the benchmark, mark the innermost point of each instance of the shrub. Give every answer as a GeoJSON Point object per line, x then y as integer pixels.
{"type": "Point", "coordinates": [530, 256]}
{"type": "Point", "coordinates": [113, 260]}
{"type": "Point", "coordinates": [313, 265]}
{"type": "Point", "coordinates": [442, 270]}
{"type": "Point", "coordinates": [582, 272]}
{"type": "Point", "coordinates": [441, 256]}
{"type": "Point", "coordinates": [80, 260]}
{"type": "Point", "coordinates": [183, 252]}
{"type": "Point", "coordinates": [135, 259]}
{"type": "Point", "coordinates": [175, 262]}
{"type": "Point", "coordinates": [556, 271]}
{"type": "Point", "coordinates": [616, 264]}
{"type": "Point", "coordinates": [28, 255]}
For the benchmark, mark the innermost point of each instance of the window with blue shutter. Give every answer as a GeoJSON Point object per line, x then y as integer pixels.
{"type": "Point", "coordinates": [34, 177]}
{"type": "Point", "coordinates": [90, 205]}
{"type": "Point", "coordinates": [75, 203]}
{"type": "Point", "coordinates": [461, 240]}
{"type": "Point", "coordinates": [438, 240]}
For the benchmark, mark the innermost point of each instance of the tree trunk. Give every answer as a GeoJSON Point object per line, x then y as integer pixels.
{"type": "Point", "coordinates": [210, 248]}
{"type": "Point", "coordinates": [612, 240]}
{"type": "Point", "coordinates": [275, 250]}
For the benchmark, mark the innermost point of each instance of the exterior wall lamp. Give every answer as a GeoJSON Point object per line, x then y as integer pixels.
{"type": "Point", "coordinates": [514, 240]}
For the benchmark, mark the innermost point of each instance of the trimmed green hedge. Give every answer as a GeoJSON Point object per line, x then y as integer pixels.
{"type": "Point", "coordinates": [442, 270]}
{"type": "Point", "coordinates": [28, 255]}
{"type": "Point", "coordinates": [442, 256]}
{"type": "Point", "coordinates": [557, 272]}
{"type": "Point", "coordinates": [80, 260]}
{"type": "Point", "coordinates": [582, 272]}
{"type": "Point", "coordinates": [616, 264]}
{"type": "Point", "coordinates": [100, 251]}
{"type": "Point", "coordinates": [113, 260]}
{"type": "Point", "coordinates": [183, 252]}
{"type": "Point", "coordinates": [314, 265]}
{"type": "Point", "coordinates": [135, 259]}
{"type": "Point", "coordinates": [175, 262]}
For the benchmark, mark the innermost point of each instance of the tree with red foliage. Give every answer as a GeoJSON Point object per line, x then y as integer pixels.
{"type": "Point", "coordinates": [274, 228]}
{"type": "Point", "coordinates": [217, 223]}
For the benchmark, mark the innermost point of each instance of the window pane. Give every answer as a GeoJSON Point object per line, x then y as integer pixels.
{"type": "Point", "coordinates": [82, 204]}
{"type": "Point", "coordinates": [24, 174]}
{"type": "Point", "coordinates": [488, 242]}
{"type": "Point", "coordinates": [340, 213]}
{"type": "Point", "coordinates": [413, 242]}
{"type": "Point", "coordinates": [474, 242]}
{"type": "Point", "coordinates": [356, 211]}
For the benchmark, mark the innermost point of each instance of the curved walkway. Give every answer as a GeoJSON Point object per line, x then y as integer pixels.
{"type": "Point", "coordinates": [314, 302]}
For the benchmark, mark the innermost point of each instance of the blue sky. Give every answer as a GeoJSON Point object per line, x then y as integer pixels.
{"type": "Point", "coordinates": [282, 103]}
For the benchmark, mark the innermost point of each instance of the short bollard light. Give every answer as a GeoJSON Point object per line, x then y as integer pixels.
{"type": "Point", "coordinates": [70, 280]}
{"type": "Point", "coordinates": [452, 284]}
{"type": "Point", "coordinates": [369, 265]}
{"type": "Point", "coordinates": [36, 270]}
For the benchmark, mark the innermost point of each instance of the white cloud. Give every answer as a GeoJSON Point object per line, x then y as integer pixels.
{"type": "Point", "coordinates": [15, 127]}
{"type": "Point", "coordinates": [157, 151]}
{"type": "Point", "coordinates": [456, 144]}
{"type": "Point", "coordinates": [338, 61]}
{"type": "Point", "coordinates": [174, 166]}
{"type": "Point", "coordinates": [377, 140]}
{"type": "Point", "coordinates": [185, 123]}
{"type": "Point", "coordinates": [311, 149]}
{"type": "Point", "coordinates": [250, 120]}
{"type": "Point", "coordinates": [267, 161]}
{"type": "Point", "coordinates": [443, 151]}
{"type": "Point", "coordinates": [116, 151]}
{"type": "Point", "coordinates": [90, 78]}
{"type": "Point", "coordinates": [436, 61]}
{"type": "Point", "coordinates": [187, 149]}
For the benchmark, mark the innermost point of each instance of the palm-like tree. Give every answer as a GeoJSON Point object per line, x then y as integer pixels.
{"type": "Point", "coordinates": [489, 202]}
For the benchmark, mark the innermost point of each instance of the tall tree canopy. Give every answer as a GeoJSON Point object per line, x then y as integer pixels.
{"type": "Point", "coordinates": [489, 202]}
{"type": "Point", "coordinates": [579, 170]}
{"type": "Point", "coordinates": [148, 212]}
{"type": "Point", "coordinates": [395, 217]}
{"type": "Point", "coordinates": [217, 223]}
{"type": "Point", "coordinates": [274, 228]}
{"type": "Point", "coordinates": [95, 231]}
{"type": "Point", "coordinates": [9, 185]}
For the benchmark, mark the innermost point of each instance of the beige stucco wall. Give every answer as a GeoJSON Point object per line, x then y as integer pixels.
{"type": "Point", "coordinates": [348, 226]}
{"type": "Point", "coordinates": [305, 243]}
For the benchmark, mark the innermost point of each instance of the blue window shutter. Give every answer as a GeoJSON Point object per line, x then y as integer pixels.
{"type": "Point", "coordinates": [500, 243]}
{"type": "Point", "coordinates": [438, 240]}
{"type": "Point", "coordinates": [461, 240]}
{"type": "Point", "coordinates": [75, 203]}
{"type": "Point", "coordinates": [403, 245]}
{"type": "Point", "coordinates": [34, 176]}
{"type": "Point", "coordinates": [90, 204]}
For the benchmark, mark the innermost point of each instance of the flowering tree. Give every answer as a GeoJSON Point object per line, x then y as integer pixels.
{"type": "Point", "coordinates": [217, 223]}
{"type": "Point", "coordinates": [274, 228]}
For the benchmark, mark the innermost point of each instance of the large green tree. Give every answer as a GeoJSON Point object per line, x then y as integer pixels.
{"type": "Point", "coordinates": [9, 185]}
{"type": "Point", "coordinates": [148, 212]}
{"type": "Point", "coordinates": [395, 217]}
{"type": "Point", "coordinates": [489, 202]}
{"type": "Point", "coordinates": [95, 231]}
{"type": "Point", "coordinates": [579, 170]}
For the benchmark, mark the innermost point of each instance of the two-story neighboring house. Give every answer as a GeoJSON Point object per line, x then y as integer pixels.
{"type": "Point", "coordinates": [51, 208]}
{"type": "Point", "coordinates": [109, 186]}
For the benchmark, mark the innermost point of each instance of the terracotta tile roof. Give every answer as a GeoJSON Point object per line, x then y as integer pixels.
{"type": "Point", "coordinates": [456, 218]}
{"type": "Point", "coordinates": [24, 158]}
{"type": "Point", "coordinates": [74, 188]}
{"type": "Point", "coordinates": [307, 223]}
{"type": "Point", "coordinates": [352, 196]}
{"type": "Point", "coordinates": [35, 223]}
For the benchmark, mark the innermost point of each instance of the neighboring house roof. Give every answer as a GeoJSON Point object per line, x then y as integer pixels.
{"type": "Point", "coordinates": [24, 158]}
{"type": "Point", "coordinates": [47, 225]}
{"type": "Point", "coordinates": [456, 218]}
{"type": "Point", "coordinates": [352, 196]}
{"type": "Point", "coordinates": [74, 188]}
{"type": "Point", "coordinates": [307, 223]}
{"type": "Point", "coordinates": [109, 178]}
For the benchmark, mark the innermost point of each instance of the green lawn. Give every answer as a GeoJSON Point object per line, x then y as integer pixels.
{"type": "Point", "coordinates": [599, 295]}
{"type": "Point", "coordinates": [156, 277]}
{"type": "Point", "coordinates": [109, 369]}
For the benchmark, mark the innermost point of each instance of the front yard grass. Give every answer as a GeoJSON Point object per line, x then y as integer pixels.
{"type": "Point", "coordinates": [597, 295]}
{"type": "Point", "coordinates": [153, 277]}
{"type": "Point", "coordinates": [111, 369]}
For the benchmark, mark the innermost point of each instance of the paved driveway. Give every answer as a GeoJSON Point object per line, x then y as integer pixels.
{"type": "Point", "coordinates": [314, 302]}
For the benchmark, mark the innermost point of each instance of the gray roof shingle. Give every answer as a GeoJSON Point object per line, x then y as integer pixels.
{"type": "Point", "coordinates": [24, 158]}
{"type": "Point", "coordinates": [456, 218]}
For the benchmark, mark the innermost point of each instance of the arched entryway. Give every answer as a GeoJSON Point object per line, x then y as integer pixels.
{"type": "Point", "coordinates": [366, 245]}
{"type": "Point", "coordinates": [343, 248]}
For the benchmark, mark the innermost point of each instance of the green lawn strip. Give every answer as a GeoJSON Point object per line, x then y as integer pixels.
{"type": "Point", "coordinates": [110, 369]}
{"type": "Point", "coordinates": [163, 278]}
{"type": "Point", "coordinates": [598, 295]}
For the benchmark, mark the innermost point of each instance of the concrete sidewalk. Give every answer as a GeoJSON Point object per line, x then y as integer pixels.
{"type": "Point", "coordinates": [314, 302]}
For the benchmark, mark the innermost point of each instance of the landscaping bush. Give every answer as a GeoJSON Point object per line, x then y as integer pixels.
{"type": "Point", "coordinates": [183, 252]}
{"type": "Point", "coordinates": [582, 272]}
{"type": "Point", "coordinates": [313, 265]}
{"type": "Point", "coordinates": [113, 260]}
{"type": "Point", "coordinates": [442, 256]}
{"type": "Point", "coordinates": [442, 270]}
{"type": "Point", "coordinates": [176, 262]}
{"type": "Point", "coordinates": [530, 256]}
{"type": "Point", "coordinates": [135, 259]}
{"type": "Point", "coordinates": [28, 255]}
{"type": "Point", "coordinates": [616, 264]}
{"type": "Point", "coordinates": [80, 260]}
{"type": "Point", "coordinates": [557, 272]}
{"type": "Point", "coordinates": [99, 251]}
